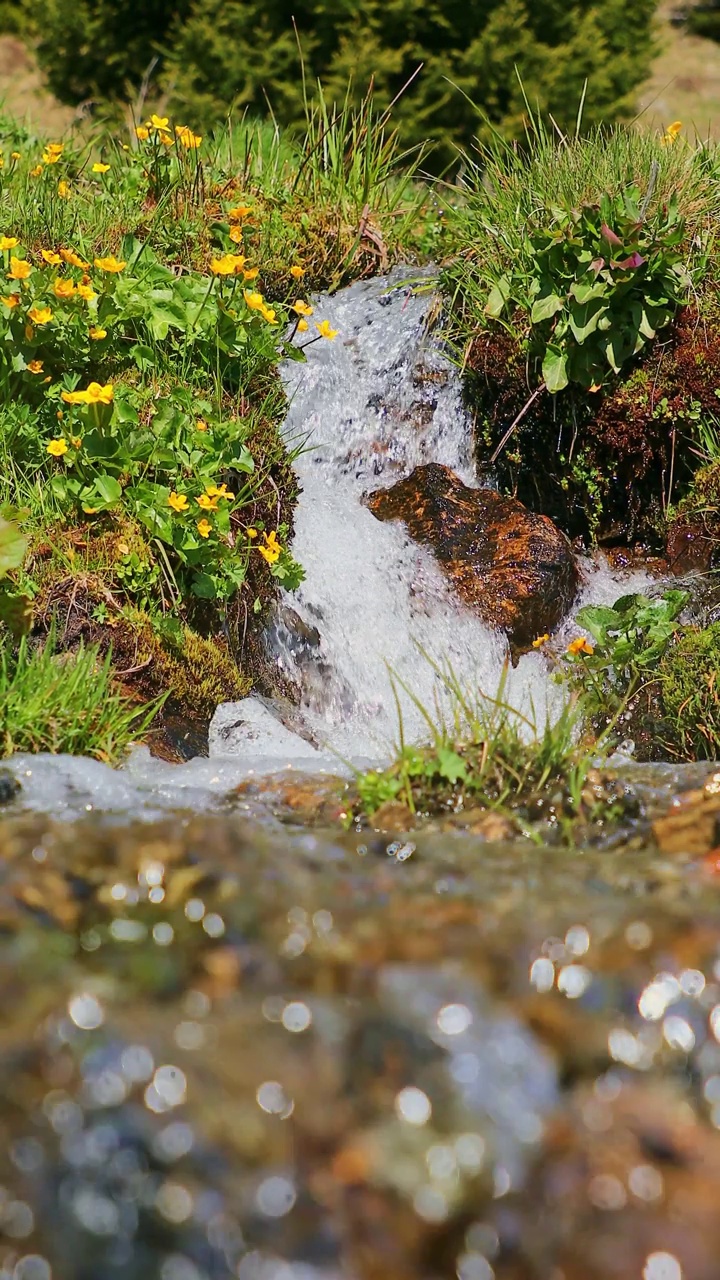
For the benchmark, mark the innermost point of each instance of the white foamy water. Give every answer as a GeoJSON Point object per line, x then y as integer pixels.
{"type": "Point", "coordinates": [370, 406]}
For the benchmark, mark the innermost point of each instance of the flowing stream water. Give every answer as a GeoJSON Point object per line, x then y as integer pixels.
{"type": "Point", "coordinates": [234, 1048]}
{"type": "Point", "coordinates": [367, 408]}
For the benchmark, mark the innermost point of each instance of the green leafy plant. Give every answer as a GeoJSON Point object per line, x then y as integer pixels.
{"type": "Point", "coordinates": [630, 639]}
{"type": "Point", "coordinates": [596, 286]}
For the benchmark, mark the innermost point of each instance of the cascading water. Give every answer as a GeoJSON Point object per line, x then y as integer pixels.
{"type": "Point", "coordinates": [368, 408]}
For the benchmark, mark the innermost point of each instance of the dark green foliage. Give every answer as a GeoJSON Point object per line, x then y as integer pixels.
{"type": "Point", "coordinates": [100, 48]}
{"type": "Point", "coordinates": [218, 54]}
{"type": "Point", "coordinates": [704, 20]}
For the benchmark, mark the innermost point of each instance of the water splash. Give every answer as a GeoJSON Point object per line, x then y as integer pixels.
{"type": "Point", "coordinates": [377, 402]}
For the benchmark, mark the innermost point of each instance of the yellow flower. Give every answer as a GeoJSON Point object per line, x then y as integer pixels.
{"type": "Point", "coordinates": [252, 273]}
{"type": "Point", "coordinates": [57, 448]}
{"type": "Point", "coordinates": [99, 394]}
{"type": "Point", "coordinates": [166, 138]}
{"type": "Point", "coordinates": [64, 288]}
{"type": "Point", "coordinates": [325, 331]}
{"type": "Point", "coordinates": [204, 528]}
{"type": "Point", "coordinates": [49, 256]}
{"type": "Point", "coordinates": [8, 242]}
{"type": "Point", "coordinates": [301, 308]}
{"type": "Point", "coordinates": [302, 326]}
{"type": "Point", "coordinates": [158, 122]}
{"type": "Point", "coordinates": [55, 148]}
{"type": "Point", "coordinates": [268, 313]}
{"type": "Point", "coordinates": [236, 235]}
{"type": "Point", "coordinates": [15, 155]}
{"type": "Point", "coordinates": [240, 212]}
{"type": "Point", "coordinates": [580, 645]}
{"type": "Point", "coordinates": [201, 425]}
{"type": "Point", "coordinates": [251, 533]}
{"type": "Point", "coordinates": [11, 300]}
{"type": "Point", "coordinates": [75, 442]}
{"type": "Point", "coordinates": [297, 273]}
{"type": "Point", "coordinates": [215, 491]}
{"type": "Point", "coordinates": [97, 334]}
{"type": "Point", "coordinates": [187, 137]}
{"type": "Point", "coordinates": [40, 315]}
{"type": "Point", "coordinates": [110, 264]}
{"type": "Point", "coordinates": [254, 300]}
{"type": "Point", "coordinates": [20, 269]}
{"type": "Point", "coordinates": [540, 641]}
{"type": "Point", "coordinates": [272, 549]}
{"type": "Point", "coordinates": [206, 502]}
{"type": "Point", "coordinates": [70, 256]}
{"type": "Point", "coordinates": [63, 189]}
{"type": "Point", "coordinates": [95, 394]}
{"type": "Point", "coordinates": [142, 132]}
{"type": "Point", "coordinates": [178, 502]}
{"type": "Point", "coordinates": [51, 157]}
{"type": "Point", "coordinates": [35, 173]}
{"type": "Point", "coordinates": [671, 133]}
{"type": "Point", "coordinates": [228, 265]}
{"type": "Point", "coordinates": [86, 292]}
{"type": "Point", "coordinates": [35, 366]}
{"type": "Point", "coordinates": [100, 168]}
{"type": "Point", "coordinates": [271, 554]}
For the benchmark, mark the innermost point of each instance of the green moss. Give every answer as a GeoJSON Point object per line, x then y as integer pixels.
{"type": "Point", "coordinates": [199, 672]}
{"type": "Point", "coordinates": [688, 677]}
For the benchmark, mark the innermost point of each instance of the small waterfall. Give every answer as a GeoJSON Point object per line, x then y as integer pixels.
{"type": "Point", "coordinates": [369, 407]}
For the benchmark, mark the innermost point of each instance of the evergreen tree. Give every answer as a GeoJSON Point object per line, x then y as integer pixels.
{"type": "Point", "coordinates": [479, 57]}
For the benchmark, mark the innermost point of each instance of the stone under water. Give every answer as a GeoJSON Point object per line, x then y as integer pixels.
{"type": "Point", "coordinates": [511, 566]}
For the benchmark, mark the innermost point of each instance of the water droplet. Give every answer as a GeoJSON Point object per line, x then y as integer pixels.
{"type": "Point", "coordinates": [86, 1012]}
{"type": "Point", "coordinates": [413, 1106]}
{"type": "Point", "coordinates": [296, 1016]}
{"type": "Point", "coordinates": [454, 1019]}
{"type": "Point", "coordinates": [275, 1197]}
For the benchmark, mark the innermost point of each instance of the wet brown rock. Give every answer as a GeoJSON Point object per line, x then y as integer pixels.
{"type": "Point", "coordinates": [692, 825]}
{"type": "Point", "coordinates": [313, 800]}
{"type": "Point", "coordinates": [514, 568]}
{"type": "Point", "coordinates": [693, 542]}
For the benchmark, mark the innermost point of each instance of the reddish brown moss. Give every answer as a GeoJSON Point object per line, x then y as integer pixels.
{"type": "Point", "coordinates": [600, 463]}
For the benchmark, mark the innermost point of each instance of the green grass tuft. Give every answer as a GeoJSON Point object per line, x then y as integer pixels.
{"type": "Point", "coordinates": [65, 703]}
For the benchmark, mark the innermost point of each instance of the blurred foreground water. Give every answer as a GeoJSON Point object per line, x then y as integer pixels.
{"type": "Point", "coordinates": [264, 1052]}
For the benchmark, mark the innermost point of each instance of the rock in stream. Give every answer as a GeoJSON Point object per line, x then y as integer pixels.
{"type": "Point", "coordinates": [513, 567]}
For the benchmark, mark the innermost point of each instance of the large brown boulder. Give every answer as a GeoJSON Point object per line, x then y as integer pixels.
{"type": "Point", "coordinates": [514, 568]}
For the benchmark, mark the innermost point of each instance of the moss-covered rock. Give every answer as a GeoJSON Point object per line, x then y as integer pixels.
{"type": "Point", "coordinates": [689, 684]}
{"type": "Point", "coordinates": [603, 465]}
{"type": "Point", "coordinates": [693, 539]}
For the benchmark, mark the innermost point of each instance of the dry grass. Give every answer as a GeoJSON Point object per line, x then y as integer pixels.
{"type": "Point", "coordinates": [22, 92]}
{"type": "Point", "coordinates": [685, 83]}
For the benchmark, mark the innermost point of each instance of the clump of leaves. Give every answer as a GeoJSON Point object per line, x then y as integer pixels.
{"type": "Point", "coordinates": [630, 639]}
{"type": "Point", "coordinates": [596, 285]}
